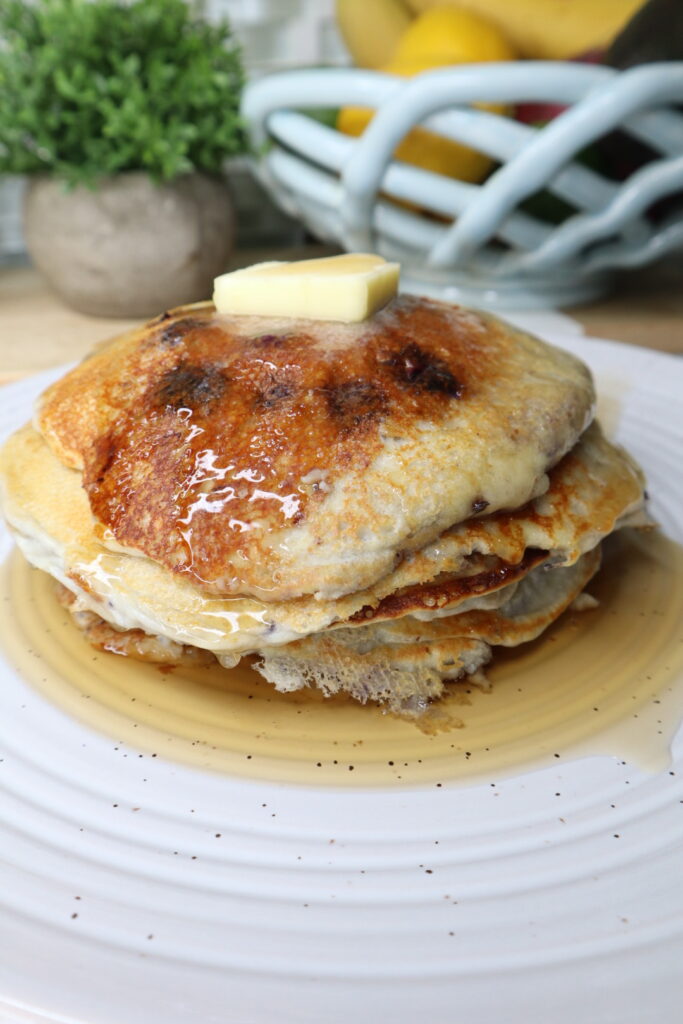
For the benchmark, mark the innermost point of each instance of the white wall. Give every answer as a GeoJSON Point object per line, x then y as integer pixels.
{"type": "Point", "coordinates": [282, 33]}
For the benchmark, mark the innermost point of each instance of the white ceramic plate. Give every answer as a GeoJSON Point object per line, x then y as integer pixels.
{"type": "Point", "coordinates": [149, 890]}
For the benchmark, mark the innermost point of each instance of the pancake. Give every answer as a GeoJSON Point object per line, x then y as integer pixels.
{"type": "Point", "coordinates": [403, 664]}
{"type": "Point", "coordinates": [361, 507]}
{"type": "Point", "coordinates": [281, 458]}
{"type": "Point", "coordinates": [406, 664]}
{"type": "Point", "coordinates": [594, 489]}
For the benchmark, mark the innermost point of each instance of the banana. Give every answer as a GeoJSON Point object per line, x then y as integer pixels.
{"type": "Point", "coordinates": [371, 29]}
{"type": "Point", "coordinates": [548, 29]}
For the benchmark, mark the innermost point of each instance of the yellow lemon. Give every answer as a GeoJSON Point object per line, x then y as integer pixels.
{"type": "Point", "coordinates": [441, 37]}
{"type": "Point", "coordinates": [451, 35]}
{"type": "Point", "coordinates": [423, 148]}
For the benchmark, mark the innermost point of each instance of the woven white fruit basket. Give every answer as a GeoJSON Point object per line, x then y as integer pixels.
{"type": "Point", "coordinates": [474, 243]}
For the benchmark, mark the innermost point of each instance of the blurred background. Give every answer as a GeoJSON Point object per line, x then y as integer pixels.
{"type": "Point", "coordinates": [148, 145]}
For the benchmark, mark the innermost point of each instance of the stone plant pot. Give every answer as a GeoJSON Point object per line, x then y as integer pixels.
{"type": "Point", "coordinates": [130, 248]}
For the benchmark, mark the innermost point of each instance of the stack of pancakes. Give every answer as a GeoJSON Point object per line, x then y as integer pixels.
{"type": "Point", "coordinates": [366, 507]}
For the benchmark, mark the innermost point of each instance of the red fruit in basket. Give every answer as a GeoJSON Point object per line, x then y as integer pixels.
{"type": "Point", "coordinates": [537, 113]}
{"type": "Point", "coordinates": [541, 113]}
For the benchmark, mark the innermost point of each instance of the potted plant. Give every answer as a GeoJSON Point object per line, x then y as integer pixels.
{"type": "Point", "coordinates": [122, 116]}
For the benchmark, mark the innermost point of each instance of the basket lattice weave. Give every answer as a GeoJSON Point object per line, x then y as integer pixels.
{"type": "Point", "coordinates": [474, 243]}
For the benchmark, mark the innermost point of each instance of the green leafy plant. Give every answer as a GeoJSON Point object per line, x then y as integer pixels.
{"type": "Point", "coordinates": [96, 87]}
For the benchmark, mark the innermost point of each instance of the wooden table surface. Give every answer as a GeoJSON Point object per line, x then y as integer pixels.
{"type": "Point", "coordinates": [38, 331]}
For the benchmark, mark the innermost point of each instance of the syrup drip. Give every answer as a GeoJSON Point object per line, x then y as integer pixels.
{"type": "Point", "coordinates": [601, 682]}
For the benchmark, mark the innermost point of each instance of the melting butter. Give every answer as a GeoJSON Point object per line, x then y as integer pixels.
{"type": "Point", "coordinates": [348, 288]}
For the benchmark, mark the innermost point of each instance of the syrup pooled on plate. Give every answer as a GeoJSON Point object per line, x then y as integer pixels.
{"type": "Point", "coordinates": [601, 682]}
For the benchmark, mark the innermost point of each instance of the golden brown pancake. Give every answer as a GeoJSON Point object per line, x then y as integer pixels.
{"type": "Point", "coordinates": [590, 493]}
{"type": "Point", "coordinates": [405, 664]}
{"type": "Point", "coordinates": [282, 458]}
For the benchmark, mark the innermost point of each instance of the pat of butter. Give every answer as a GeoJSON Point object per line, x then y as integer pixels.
{"type": "Point", "coordinates": [349, 288]}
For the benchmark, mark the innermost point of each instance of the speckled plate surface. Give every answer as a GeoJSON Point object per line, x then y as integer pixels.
{"type": "Point", "coordinates": [178, 848]}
